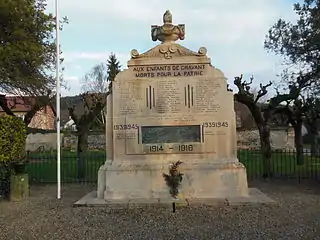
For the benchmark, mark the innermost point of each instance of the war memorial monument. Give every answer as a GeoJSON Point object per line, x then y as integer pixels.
{"type": "Point", "coordinates": [171, 105]}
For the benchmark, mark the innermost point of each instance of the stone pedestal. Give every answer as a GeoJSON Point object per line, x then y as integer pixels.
{"type": "Point", "coordinates": [200, 180]}
{"type": "Point", "coordinates": [19, 187]}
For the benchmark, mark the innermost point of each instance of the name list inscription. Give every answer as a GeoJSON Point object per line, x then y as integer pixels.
{"type": "Point", "coordinates": [168, 97]}
{"type": "Point", "coordinates": [130, 96]}
{"type": "Point", "coordinates": [205, 95]}
{"type": "Point", "coordinates": [181, 70]}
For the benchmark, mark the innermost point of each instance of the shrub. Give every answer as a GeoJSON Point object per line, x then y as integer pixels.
{"type": "Point", "coordinates": [13, 137]}
{"type": "Point", "coordinates": [12, 149]}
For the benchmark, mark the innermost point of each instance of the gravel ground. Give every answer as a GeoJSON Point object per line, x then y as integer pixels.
{"type": "Point", "coordinates": [295, 216]}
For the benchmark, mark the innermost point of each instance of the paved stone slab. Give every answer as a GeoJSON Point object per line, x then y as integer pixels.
{"type": "Point", "coordinates": [255, 197]}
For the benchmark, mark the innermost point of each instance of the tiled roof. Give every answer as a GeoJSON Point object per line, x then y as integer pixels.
{"type": "Point", "coordinates": [19, 104]}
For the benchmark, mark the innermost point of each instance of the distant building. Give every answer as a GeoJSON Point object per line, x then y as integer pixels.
{"type": "Point", "coordinates": [20, 106]}
{"type": "Point", "coordinates": [70, 125]}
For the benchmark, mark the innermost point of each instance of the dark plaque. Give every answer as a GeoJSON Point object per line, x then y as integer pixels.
{"type": "Point", "coordinates": [170, 134]}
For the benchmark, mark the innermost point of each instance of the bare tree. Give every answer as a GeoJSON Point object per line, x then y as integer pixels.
{"type": "Point", "coordinates": [96, 81]}
{"type": "Point", "coordinates": [262, 113]}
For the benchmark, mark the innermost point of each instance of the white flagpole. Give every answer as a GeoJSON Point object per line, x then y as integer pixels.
{"type": "Point", "coordinates": [58, 102]}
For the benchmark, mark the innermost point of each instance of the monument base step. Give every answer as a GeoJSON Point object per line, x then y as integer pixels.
{"type": "Point", "coordinates": [206, 180]}
{"type": "Point", "coordinates": [255, 197]}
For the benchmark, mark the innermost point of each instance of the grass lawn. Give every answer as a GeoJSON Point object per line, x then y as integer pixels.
{"type": "Point", "coordinates": [43, 166]}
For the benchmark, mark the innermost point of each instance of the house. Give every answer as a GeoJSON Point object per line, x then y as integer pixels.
{"type": "Point", "coordinates": [21, 105]}
{"type": "Point", "coordinates": [70, 125]}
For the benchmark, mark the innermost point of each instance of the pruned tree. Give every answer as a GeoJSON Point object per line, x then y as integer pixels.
{"type": "Point", "coordinates": [94, 103]}
{"type": "Point", "coordinates": [99, 80]}
{"type": "Point", "coordinates": [256, 91]}
{"type": "Point", "coordinates": [262, 113]}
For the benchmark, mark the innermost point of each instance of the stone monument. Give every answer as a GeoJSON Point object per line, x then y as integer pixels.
{"type": "Point", "coordinates": [170, 104]}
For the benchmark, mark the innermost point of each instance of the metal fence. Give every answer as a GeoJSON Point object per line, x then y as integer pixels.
{"type": "Point", "coordinates": [42, 167]}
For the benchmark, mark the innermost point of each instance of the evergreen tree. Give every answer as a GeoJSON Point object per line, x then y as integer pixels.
{"type": "Point", "coordinates": [27, 49]}
{"type": "Point", "coordinates": [114, 68]}
{"type": "Point", "coordinates": [27, 53]}
{"type": "Point", "coordinates": [299, 44]}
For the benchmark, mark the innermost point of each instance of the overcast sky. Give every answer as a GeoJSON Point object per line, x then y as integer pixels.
{"type": "Point", "coordinates": [233, 32]}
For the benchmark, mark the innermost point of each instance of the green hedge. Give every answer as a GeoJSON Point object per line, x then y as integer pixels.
{"type": "Point", "coordinates": [13, 137]}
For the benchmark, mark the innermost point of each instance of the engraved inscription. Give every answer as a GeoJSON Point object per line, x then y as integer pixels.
{"type": "Point", "coordinates": [183, 119]}
{"type": "Point", "coordinates": [126, 135]}
{"type": "Point", "coordinates": [164, 148]}
{"type": "Point", "coordinates": [215, 124]}
{"type": "Point", "coordinates": [182, 70]}
{"type": "Point", "coordinates": [215, 128]}
{"type": "Point", "coordinates": [205, 94]}
{"type": "Point", "coordinates": [130, 95]}
{"type": "Point", "coordinates": [125, 126]}
{"type": "Point", "coordinates": [168, 97]}
{"type": "Point", "coordinates": [186, 148]}
{"type": "Point", "coordinates": [155, 148]}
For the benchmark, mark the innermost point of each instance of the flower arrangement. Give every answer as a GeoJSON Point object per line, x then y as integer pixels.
{"type": "Point", "coordinates": [174, 178]}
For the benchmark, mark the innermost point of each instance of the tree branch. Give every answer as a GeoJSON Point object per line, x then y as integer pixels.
{"type": "Point", "coordinates": [263, 91]}
{"type": "Point", "coordinates": [287, 111]}
{"type": "Point", "coordinates": [245, 94]}
{"type": "Point", "coordinates": [228, 88]}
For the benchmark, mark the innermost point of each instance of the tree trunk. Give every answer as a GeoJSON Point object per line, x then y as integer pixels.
{"type": "Point", "coordinates": [264, 132]}
{"type": "Point", "coordinates": [298, 142]}
{"type": "Point", "coordinates": [315, 144]}
{"type": "Point", "coordinates": [261, 120]}
{"type": "Point", "coordinates": [82, 147]}
{"type": "Point", "coordinates": [82, 141]}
